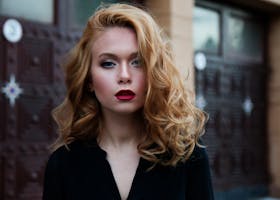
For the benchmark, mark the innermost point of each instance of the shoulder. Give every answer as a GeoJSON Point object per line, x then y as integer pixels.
{"type": "Point", "coordinates": [198, 175]}
{"type": "Point", "coordinates": [199, 155]}
{"type": "Point", "coordinates": [65, 150]}
{"type": "Point", "coordinates": [74, 152]}
{"type": "Point", "coordinates": [60, 155]}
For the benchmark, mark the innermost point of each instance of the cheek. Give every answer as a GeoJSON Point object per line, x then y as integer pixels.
{"type": "Point", "coordinates": [96, 78]}
{"type": "Point", "coordinates": [99, 83]}
{"type": "Point", "coordinates": [102, 85]}
{"type": "Point", "coordinates": [143, 83]}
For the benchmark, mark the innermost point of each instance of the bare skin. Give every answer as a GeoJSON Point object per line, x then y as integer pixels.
{"type": "Point", "coordinates": [121, 147]}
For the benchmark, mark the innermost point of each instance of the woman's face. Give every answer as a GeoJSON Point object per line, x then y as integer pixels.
{"type": "Point", "coordinates": [118, 78]}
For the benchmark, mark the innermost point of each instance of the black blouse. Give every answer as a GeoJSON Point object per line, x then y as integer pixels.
{"type": "Point", "coordinates": [83, 173]}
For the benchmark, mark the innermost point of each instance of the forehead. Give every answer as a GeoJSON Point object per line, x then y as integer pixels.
{"type": "Point", "coordinates": [115, 40]}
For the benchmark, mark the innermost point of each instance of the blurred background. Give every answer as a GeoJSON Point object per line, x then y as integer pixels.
{"type": "Point", "coordinates": [228, 50]}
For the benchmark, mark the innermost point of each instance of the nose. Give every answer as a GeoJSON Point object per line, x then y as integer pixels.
{"type": "Point", "coordinates": [124, 74]}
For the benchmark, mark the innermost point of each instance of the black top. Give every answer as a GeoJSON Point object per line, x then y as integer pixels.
{"type": "Point", "coordinates": [83, 173]}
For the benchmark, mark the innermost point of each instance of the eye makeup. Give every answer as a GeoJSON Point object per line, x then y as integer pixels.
{"type": "Point", "coordinates": [107, 64]}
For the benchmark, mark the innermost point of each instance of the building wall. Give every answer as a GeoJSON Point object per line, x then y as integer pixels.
{"type": "Point", "coordinates": [274, 105]}
{"type": "Point", "coordinates": [175, 16]}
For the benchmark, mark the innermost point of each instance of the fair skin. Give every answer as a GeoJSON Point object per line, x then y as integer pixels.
{"type": "Point", "coordinates": [119, 83]}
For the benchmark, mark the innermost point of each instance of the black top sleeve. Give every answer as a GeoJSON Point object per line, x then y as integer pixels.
{"type": "Point", "coordinates": [52, 182]}
{"type": "Point", "coordinates": [199, 184]}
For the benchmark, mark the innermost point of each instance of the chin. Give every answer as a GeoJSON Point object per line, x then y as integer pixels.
{"type": "Point", "coordinates": [129, 110]}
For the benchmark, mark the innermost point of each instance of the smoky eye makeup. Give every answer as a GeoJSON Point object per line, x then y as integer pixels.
{"type": "Point", "coordinates": [136, 62]}
{"type": "Point", "coordinates": [110, 60]}
{"type": "Point", "coordinates": [107, 60]}
{"type": "Point", "coordinates": [107, 64]}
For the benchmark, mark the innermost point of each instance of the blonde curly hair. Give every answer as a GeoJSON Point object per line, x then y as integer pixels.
{"type": "Point", "coordinates": [173, 124]}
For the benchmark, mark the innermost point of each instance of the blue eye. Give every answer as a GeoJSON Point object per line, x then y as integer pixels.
{"type": "Point", "coordinates": [136, 62]}
{"type": "Point", "coordinates": [107, 64]}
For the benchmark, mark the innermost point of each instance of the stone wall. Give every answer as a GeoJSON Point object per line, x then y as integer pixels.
{"type": "Point", "coordinates": [175, 16]}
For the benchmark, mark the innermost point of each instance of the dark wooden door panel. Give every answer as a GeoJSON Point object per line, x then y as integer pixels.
{"type": "Point", "coordinates": [35, 56]}
{"type": "Point", "coordinates": [34, 119]}
{"type": "Point", "coordinates": [235, 139]}
{"type": "Point", "coordinates": [232, 90]}
{"type": "Point", "coordinates": [29, 168]}
{"type": "Point", "coordinates": [27, 128]}
{"type": "Point", "coordinates": [1, 175]}
{"type": "Point", "coordinates": [23, 169]}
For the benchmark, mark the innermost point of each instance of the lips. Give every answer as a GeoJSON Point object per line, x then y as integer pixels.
{"type": "Point", "coordinates": [125, 95]}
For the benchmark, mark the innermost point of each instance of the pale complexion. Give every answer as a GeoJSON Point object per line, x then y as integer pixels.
{"type": "Point", "coordinates": [119, 83]}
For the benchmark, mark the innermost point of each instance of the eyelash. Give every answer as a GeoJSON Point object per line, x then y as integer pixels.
{"type": "Point", "coordinates": [138, 64]}
{"type": "Point", "coordinates": [110, 64]}
{"type": "Point", "coordinates": [107, 64]}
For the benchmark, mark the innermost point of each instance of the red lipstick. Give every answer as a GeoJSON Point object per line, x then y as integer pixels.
{"type": "Point", "coordinates": [125, 95]}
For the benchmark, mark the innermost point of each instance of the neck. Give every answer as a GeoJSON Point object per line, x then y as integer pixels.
{"type": "Point", "coordinates": [120, 130]}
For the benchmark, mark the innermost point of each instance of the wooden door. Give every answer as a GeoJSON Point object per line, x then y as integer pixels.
{"type": "Point", "coordinates": [230, 86]}
{"type": "Point", "coordinates": [26, 127]}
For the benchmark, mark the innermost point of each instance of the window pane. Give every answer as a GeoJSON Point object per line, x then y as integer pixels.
{"type": "Point", "coordinates": [83, 9]}
{"type": "Point", "coordinates": [245, 38]}
{"type": "Point", "coordinates": [34, 10]}
{"type": "Point", "coordinates": [206, 29]}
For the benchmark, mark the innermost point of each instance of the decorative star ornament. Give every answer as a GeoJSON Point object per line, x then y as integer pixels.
{"type": "Point", "coordinates": [12, 90]}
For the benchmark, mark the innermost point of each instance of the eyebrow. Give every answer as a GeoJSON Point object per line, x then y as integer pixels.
{"type": "Point", "coordinates": [132, 55]}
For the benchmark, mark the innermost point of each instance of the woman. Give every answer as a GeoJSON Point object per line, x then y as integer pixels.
{"type": "Point", "coordinates": [127, 127]}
